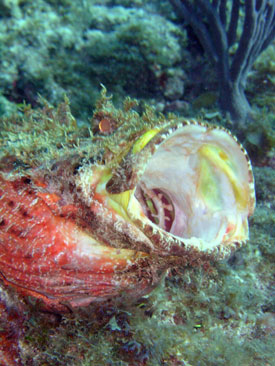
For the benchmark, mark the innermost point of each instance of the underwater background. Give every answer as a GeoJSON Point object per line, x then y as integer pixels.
{"type": "Point", "coordinates": [143, 49]}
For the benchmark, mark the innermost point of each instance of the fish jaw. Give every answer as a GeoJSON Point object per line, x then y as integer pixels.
{"type": "Point", "coordinates": [197, 190]}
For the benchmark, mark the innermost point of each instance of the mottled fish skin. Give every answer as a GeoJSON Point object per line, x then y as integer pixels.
{"type": "Point", "coordinates": [79, 219]}
{"type": "Point", "coordinates": [47, 250]}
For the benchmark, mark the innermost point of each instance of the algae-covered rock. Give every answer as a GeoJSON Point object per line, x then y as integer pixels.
{"type": "Point", "coordinates": [259, 138]}
{"type": "Point", "coordinates": [262, 80]}
{"type": "Point", "coordinates": [57, 48]}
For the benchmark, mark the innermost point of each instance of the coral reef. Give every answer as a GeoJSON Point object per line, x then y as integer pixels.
{"type": "Point", "coordinates": [135, 48]}
{"type": "Point", "coordinates": [223, 315]}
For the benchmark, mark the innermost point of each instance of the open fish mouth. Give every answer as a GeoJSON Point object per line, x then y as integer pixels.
{"type": "Point", "coordinates": [198, 187]}
{"type": "Point", "coordinates": [157, 206]}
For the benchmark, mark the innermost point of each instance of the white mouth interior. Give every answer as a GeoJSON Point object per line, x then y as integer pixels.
{"type": "Point", "coordinates": [196, 186]}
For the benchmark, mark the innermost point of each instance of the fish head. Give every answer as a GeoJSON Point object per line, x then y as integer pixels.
{"type": "Point", "coordinates": [106, 219]}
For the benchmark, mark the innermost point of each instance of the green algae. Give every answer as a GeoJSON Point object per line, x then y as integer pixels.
{"type": "Point", "coordinates": [262, 80]}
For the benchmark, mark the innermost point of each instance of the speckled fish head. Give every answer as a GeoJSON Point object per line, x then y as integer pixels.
{"type": "Point", "coordinates": [106, 218]}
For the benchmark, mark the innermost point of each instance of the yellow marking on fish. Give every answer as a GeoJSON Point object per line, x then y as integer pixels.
{"type": "Point", "coordinates": [143, 140]}
{"type": "Point", "coordinates": [120, 201]}
{"type": "Point", "coordinates": [218, 158]}
{"type": "Point", "coordinates": [208, 185]}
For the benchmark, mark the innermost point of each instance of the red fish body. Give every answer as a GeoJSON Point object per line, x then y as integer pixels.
{"type": "Point", "coordinates": [45, 254]}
